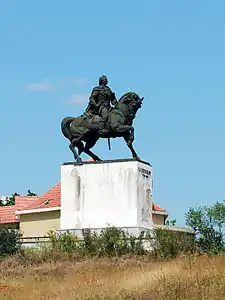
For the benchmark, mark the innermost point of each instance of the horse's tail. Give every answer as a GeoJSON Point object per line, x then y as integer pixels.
{"type": "Point", "coordinates": [65, 127]}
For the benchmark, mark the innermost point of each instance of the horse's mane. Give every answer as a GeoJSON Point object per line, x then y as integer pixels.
{"type": "Point", "coordinates": [127, 97]}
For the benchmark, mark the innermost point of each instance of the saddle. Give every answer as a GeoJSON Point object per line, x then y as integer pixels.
{"type": "Point", "coordinates": [95, 123]}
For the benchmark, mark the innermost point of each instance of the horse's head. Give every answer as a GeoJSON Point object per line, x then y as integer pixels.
{"type": "Point", "coordinates": [130, 103]}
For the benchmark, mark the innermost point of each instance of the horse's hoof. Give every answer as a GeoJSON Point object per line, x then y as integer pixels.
{"type": "Point", "coordinates": [97, 159]}
{"type": "Point", "coordinates": [79, 160]}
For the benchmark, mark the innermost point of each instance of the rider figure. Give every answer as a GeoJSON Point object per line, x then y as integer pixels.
{"type": "Point", "coordinates": [100, 100]}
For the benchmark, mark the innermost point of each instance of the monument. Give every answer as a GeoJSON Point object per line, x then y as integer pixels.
{"type": "Point", "coordinates": [105, 117]}
{"type": "Point", "coordinates": [99, 194]}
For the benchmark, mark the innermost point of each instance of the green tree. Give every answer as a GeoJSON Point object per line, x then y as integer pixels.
{"type": "Point", "coordinates": [2, 203]}
{"type": "Point", "coordinates": [216, 213]}
{"type": "Point", "coordinates": [208, 223]}
{"type": "Point", "coordinates": [11, 199]}
{"type": "Point", "coordinates": [29, 193]}
{"type": "Point", "coordinates": [171, 222]}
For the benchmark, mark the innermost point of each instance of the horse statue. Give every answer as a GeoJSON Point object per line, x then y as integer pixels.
{"type": "Point", "coordinates": [85, 128]}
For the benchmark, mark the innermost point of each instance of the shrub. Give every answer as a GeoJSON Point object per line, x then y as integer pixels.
{"type": "Point", "coordinates": [170, 243]}
{"type": "Point", "coordinates": [110, 242]}
{"type": "Point", "coordinates": [114, 242]}
{"type": "Point", "coordinates": [9, 241]}
{"type": "Point", "coordinates": [65, 242]}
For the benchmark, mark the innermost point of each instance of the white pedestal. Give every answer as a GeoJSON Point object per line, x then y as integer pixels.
{"type": "Point", "coordinates": [109, 193]}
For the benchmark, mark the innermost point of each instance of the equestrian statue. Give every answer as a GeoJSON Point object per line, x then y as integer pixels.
{"type": "Point", "coordinates": [104, 117]}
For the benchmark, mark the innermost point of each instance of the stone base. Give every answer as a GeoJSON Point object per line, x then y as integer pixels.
{"type": "Point", "coordinates": [107, 193]}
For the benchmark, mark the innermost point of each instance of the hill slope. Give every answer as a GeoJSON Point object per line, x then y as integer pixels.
{"type": "Point", "coordinates": [183, 278]}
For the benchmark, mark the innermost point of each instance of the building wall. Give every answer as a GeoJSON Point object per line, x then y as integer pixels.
{"type": "Point", "coordinates": [158, 219]}
{"type": "Point", "coordinates": [38, 224]}
{"type": "Point", "coordinates": [10, 225]}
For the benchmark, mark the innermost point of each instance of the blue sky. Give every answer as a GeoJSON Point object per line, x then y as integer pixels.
{"type": "Point", "coordinates": [170, 52]}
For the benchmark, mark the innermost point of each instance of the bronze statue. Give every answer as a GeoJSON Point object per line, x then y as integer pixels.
{"type": "Point", "coordinates": [100, 120]}
{"type": "Point", "coordinates": [100, 102]}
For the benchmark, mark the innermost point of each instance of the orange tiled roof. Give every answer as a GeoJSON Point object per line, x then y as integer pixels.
{"type": "Point", "coordinates": [23, 201]}
{"type": "Point", "coordinates": [157, 207]}
{"type": "Point", "coordinates": [90, 159]}
{"type": "Point", "coordinates": [49, 199]}
{"type": "Point", "coordinates": [7, 213]}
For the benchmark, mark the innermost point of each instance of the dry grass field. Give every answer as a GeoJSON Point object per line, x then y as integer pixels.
{"type": "Point", "coordinates": [196, 278]}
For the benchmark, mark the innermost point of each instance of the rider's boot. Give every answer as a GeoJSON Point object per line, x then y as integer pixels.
{"type": "Point", "coordinates": [104, 117]}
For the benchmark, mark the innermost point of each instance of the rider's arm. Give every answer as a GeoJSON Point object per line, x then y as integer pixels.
{"type": "Point", "coordinates": [93, 97]}
{"type": "Point", "coordinates": [114, 100]}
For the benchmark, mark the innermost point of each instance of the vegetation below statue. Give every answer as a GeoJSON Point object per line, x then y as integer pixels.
{"type": "Point", "coordinates": [42, 273]}
{"type": "Point", "coordinates": [117, 261]}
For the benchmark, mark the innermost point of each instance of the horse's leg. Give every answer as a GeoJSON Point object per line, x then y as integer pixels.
{"type": "Point", "coordinates": [128, 135]}
{"type": "Point", "coordinates": [92, 155]}
{"type": "Point", "coordinates": [89, 144]}
{"type": "Point", "coordinates": [129, 138]}
{"type": "Point", "coordinates": [75, 143]}
{"type": "Point", "coordinates": [80, 147]}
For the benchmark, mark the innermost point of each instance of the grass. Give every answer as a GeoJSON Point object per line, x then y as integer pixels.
{"type": "Point", "coordinates": [196, 277]}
